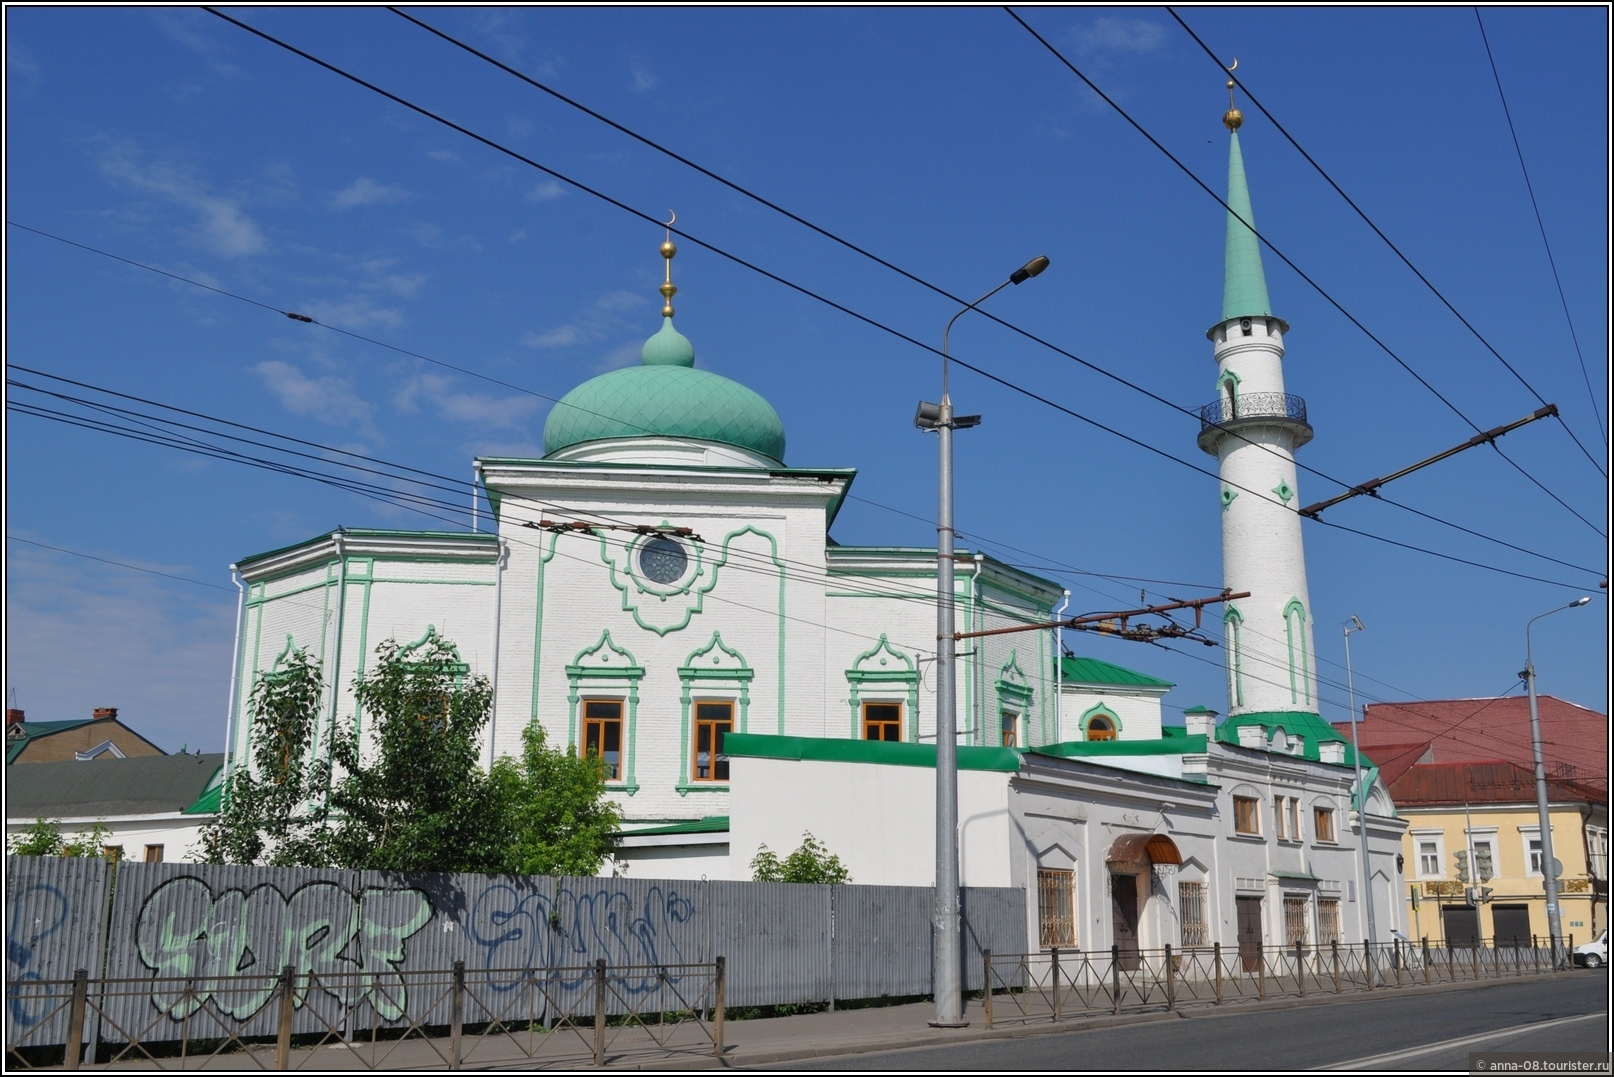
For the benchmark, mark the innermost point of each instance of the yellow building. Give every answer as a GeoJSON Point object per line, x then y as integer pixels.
{"type": "Point", "coordinates": [1481, 818]}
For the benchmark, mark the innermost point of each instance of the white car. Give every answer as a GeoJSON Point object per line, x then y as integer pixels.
{"type": "Point", "coordinates": [1594, 954]}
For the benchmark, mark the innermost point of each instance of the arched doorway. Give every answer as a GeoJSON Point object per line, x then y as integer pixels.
{"type": "Point", "coordinates": [1130, 859]}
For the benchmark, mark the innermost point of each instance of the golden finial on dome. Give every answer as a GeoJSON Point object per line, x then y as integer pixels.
{"type": "Point", "coordinates": [668, 250]}
{"type": "Point", "coordinates": [1233, 118]}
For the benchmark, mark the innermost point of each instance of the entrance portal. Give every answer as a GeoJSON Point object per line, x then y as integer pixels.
{"type": "Point", "coordinates": [1249, 911]}
{"type": "Point", "coordinates": [1124, 912]}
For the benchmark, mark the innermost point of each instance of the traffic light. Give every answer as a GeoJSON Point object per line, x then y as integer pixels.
{"type": "Point", "coordinates": [1461, 856]}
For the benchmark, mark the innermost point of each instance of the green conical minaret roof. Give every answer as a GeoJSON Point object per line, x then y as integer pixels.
{"type": "Point", "coordinates": [1244, 288]}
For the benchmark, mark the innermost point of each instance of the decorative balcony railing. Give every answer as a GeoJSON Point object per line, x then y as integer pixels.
{"type": "Point", "coordinates": [1252, 406]}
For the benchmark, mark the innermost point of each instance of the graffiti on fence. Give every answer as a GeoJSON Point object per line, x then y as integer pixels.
{"type": "Point", "coordinates": [529, 930]}
{"type": "Point", "coordinates": [186, 930]}
{"type": "Point", "coordinates": [37, 912]}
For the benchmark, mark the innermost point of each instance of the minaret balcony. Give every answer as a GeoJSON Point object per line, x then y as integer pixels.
{"type": "Point", "coordinates": [1253, 409]}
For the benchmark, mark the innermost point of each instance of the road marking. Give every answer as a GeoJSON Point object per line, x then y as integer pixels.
{"type": "Point", "coordinates": [1463, 1041]}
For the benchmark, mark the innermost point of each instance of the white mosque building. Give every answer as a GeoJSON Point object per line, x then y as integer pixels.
{"type": "Point", "coordinates": [661, 589]}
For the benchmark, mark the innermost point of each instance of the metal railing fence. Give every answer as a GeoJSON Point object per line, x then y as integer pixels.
{"type": "Point", "coordinates": [532, 1018]}
{"type": "Point", "coordinates": [1057, 984]}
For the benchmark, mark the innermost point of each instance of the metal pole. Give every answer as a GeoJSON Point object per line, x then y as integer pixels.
{"type": "Point", "coordinates": [1115, 976]}
{"type": "Point", "coordinates": [288, 1000]}
{"type": "Point", "coordinates": [599, 1011]}
{"type": "Point", "coordinates": [75, 1019]}
{"type": "Point", "coordinates": [1171, 982]}
{"type": "Point", "coordinates": [1054, 969]}
{"type": "Point", "coordinates": [946, 973]}
{"type": "Point", "coordinates": [718, 990]}
{"type": "Point", "coordinates": [456, 1016]}
{"type": "Point", "coordinates": [1361, 806]}
{"type": "Point", "coordinates": [986, 987]}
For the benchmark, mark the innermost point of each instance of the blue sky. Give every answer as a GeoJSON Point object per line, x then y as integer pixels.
{"type": "Point", "coordinates": [949, 142]}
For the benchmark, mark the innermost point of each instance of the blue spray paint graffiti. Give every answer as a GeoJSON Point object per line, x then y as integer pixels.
{"type": "Point", "coordinates": [185, 930]}
{"type": "Point", "coordinates": [37, 912]}
{"type": "Point", "coordinates": [528, 930]}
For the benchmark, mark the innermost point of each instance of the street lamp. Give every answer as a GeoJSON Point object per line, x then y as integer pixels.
{"type": "Point", "coordinates": [1549, 866]}
{"type": "Point", "coordinates": [1355, 625]}
{"type": "Point", "coordinates": [946, 958]}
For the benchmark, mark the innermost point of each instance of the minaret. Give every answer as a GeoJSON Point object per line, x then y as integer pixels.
{"type": "Point", "coordinates": [1253, 429]}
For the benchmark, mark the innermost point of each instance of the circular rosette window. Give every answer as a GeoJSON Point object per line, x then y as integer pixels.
{"type": "Point", "coordinates": [663, 560]}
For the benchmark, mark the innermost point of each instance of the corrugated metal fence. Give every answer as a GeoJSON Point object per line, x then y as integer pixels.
{"type": "Point", "coordinates": [784, 942]}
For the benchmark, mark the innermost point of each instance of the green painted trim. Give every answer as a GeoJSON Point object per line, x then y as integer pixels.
{"type": "Point", "coordinates": [884, 753]}
{"type": "Point", "coordinates": [263, 597]}
{"type": "Point", "coordinates": [688, 674]}
{"type": "Point", "coordinates": [1235, 653]}
{"type": "Point", "coordinates": [538, 616]}
{"type": "Point", "coordinates": [1097, 710]}
{"type": "Point", "coordinates": [711, 824]}
{"type": "Point", "coordinates": [444, 583]}
{"type": "Point", "coordinates": [908, 676]}
{"type": "Point", "coordinates": [630, 674]}
{"type": "Point", "coordinates": [364, 642]}
{"type": "Point", "coordinates": [1194, 745]}
{"type": "Point", "coordinates": [1294, 606]}
{"type": "Point", "coordinates": [1284, 491]}
{"type": "Point", "coordinates": [1227, 497]}
{"type": "Point", "coordinates": [285, 652]}
{"type": "Point", "coordinates": [1013, 694]}
{"type": "Point", "coordinates": [684, 788]}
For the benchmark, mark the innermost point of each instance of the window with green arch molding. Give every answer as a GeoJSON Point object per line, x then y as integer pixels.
{"type": "Point", "coordinates": [1294, 626]}
{"type": "Point", "coordinates": [1233, 623]}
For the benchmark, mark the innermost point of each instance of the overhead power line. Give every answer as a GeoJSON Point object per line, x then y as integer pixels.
{"type": "Point", "coordinates": [119, 564]}
{"type": "Point", "coordinates": [1398, 252]}
{"type": "Point", "coordinates": [874, 323]}
{"type": "Point", "coordinates": [1298, 271]}
{"type": "Point", "coordinates": [877, 259]}
{"type": "Point", "coordinates": [1551, 261]}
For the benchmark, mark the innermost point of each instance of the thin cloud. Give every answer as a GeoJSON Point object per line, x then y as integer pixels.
{"type": "Point", "coordinates": [1115, 35]}
{"type": "Point", "coordinates": [481, 409]}
{"type": "Point", "coordinates": [190, 29]}
{"type": "Point", "coordinates": [327, 399]}
{"type": "Point", "coordinates": [222, 226]}
{"type": "Point", "coordinates": [547, 191]}
{"type": "Point", "coordinates": [644, 81]}
{"type": "Point", "coordinates": [601, 319]}
{"type": "Point", "coordinates": [365, 191]}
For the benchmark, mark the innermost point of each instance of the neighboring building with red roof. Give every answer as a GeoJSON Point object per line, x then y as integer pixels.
{"type": "Point", "coordinates": [1574, 739]}
{"type": "Point", "coordinates": [1479, 818]}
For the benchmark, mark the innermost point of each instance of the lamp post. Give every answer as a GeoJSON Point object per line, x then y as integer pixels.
{"type": "Point", "coordinates": [1549, 873]}
{"type": "Point", "coordinates": [1355, 625]}
{"type": "Point", "coordinates": [946, 962]}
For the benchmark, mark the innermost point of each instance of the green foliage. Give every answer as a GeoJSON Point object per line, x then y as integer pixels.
{"type": "Point", "coordinates": [556, 808]}
{"type": "Point", "coordinates": [44, 838]}
{"type": "Point", "coordinates": [812, 863]}
{"type": "Point", "coordinates": [266, 812]}
{"type": "Point", "coordinates": [417, 800]}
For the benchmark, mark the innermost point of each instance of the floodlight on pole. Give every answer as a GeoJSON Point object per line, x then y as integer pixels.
{"type": "Point", "coordinates": [947, 959]}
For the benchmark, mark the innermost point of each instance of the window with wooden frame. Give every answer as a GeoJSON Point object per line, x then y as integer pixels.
{"type": "Point", "coordinates": [1295, 833]}
{"type": "Point", "coordinates": [602, 734]}
{"type": "Point", "coordinates": [1246, 815]}
{"type": "Point", "coordinates": [1100, 727]}
{"type": "Point", "coordinates": [1323, 822]}
{"type": "Point", "coordinates": [1191, 914]}
{"type": "Point", "coordinates": [112, 852]}
{"type": "Point", "coordinates": [154, 854]}
{"type": "Point", "coordinates": [1009, 724]}
{"type": "Point", "coordinates": [1056, 908]}
{"type": "Point", "coordinates": [713, 722]}
{"type": "Point", "coordinates": [1278, 830]}
{"type": "Point", "coordinates": [882, 721]}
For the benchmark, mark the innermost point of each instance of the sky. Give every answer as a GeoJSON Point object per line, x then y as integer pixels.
{"type": "Point", "coordinates": [947, 141]}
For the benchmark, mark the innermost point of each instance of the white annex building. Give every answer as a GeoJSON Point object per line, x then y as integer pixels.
{"type": "Point", "coordinates": [661, 589]}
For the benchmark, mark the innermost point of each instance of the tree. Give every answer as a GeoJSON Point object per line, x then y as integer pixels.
{"type": "Point", "coordinates": [417, 800]}
{"type": "Point", "coordinates": [556, 808]}
{"type": "Point", "coordinates": [812, 863]}
{"type": "Point", "coordinates": [44, 838]}
{"type": "Point", "coordinates": [266, 807]}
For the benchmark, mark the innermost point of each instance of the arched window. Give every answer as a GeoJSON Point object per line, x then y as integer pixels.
{"type": "Point", "coordinates": [1100, 723]}
{"type": "Point", "coordinates": [1228, 386]}
{"type": "Point", "coordinates": [1233, 624]}
{"type": "Point", "coordinates": [1100, 728]}
{"type": "Point", "coordinates": [1294, 624]}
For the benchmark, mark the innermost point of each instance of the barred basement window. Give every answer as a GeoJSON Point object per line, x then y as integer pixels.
{"type": "Point", "coordinates": [1191, 914]}
{"type": "Point", "coordinates": [1327, 921]}
{"type": "Point", "coordinates": [1056, 908]}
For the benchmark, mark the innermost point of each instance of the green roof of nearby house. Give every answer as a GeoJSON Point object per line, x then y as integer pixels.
{"type": "Point", "coordinates": [140, 785]}
{"type": "Point", "coordinates": [887, 753]}
{"type": "Point", "coordinates": [211, 802]}
{"type": "Point", "coordinates": [18, 736]}
{"type": "Point", "coordinates": [711, 824]}
{"type": "Point", "coordinates": [1093, 671]}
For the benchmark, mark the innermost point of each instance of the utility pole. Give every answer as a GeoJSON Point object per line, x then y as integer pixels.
{"type": "Point", "coordinates": [1549, 866]}
{"type": "Point", "coordinates": [1355, 625]}
{"type": "Point", "coordinates": [947, 981]}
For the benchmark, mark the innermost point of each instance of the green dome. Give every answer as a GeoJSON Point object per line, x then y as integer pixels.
{"type": "Point", "coordinates": [666, 397]}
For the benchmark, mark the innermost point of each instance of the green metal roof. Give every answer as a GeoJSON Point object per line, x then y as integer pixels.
{"type": "Point", "coordinates": [1244, 286]}
{"type": "Point", "coordinates": [1093, 671]}
{"type": "Point", "coordinates": [1180, 744]}
{"type": "Point", "coordinates": [1294, 876]}
{"type": "Point", "coordinates": [887, 753]}
{"type": "Point", "coordinates": [18, 736]}
{"type": "Point", "coordinates": [1295, 723]}
{"type": "Point", "coordinates": [711, 824]}
{"type": "Point", "coordinates": [665, 396]}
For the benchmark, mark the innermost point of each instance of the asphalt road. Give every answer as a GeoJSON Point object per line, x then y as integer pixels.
{"type": "Point", "coordinates": [1421, 1032]}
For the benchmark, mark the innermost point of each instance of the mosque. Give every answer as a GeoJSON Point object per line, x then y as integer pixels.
{"type": "Point", "coordinates": [661, 590]}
